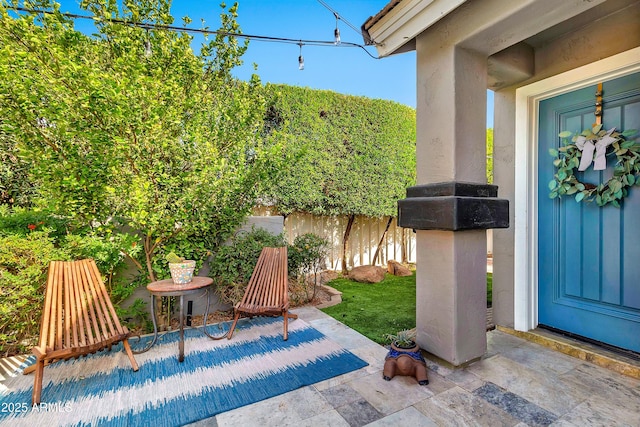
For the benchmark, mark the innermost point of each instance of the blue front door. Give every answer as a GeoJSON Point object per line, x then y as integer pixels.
{"type": "Point", "coordinates": [589, 256]}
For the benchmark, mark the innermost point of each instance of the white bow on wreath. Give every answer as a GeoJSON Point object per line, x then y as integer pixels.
{"type": "Point", "coordinates": [599, 145]}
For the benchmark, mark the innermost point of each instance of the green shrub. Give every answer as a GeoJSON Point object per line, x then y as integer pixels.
{"type": "Point", "coordinates": [24, 261]}
{"type": "Point", "coordinates": [136, 317]}
{"type": "Point", "coordinates": [24, 221]}
{"type": "Point", "coordinates": [107, 253]}
{"type": "Point", "coordinates": [306, 258]}
{"type": "Point", "coordinates": [233, 264]}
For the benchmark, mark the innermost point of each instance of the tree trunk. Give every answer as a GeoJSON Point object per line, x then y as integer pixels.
{"type": "Point", "coordinates": [149, 249]}
{"type": "Point", "coordinates": [345, 242]}
{"type": "Point", "coordinates": [148, 255]}
{"type": "Point", "coordinates": [384, 233]}
{"type": "Point", "coordinates": [403, 246]}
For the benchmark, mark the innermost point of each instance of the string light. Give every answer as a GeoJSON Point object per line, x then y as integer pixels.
{"type": "Point", "coordinates": [150, 26]}
{"type": "Point", "coordinates": [300, 59]}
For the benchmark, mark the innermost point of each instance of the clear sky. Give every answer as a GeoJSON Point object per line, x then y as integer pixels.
{"type": "Point", "coordinates": [341, 69]}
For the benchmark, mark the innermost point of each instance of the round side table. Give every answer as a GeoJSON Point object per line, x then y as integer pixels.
{"type": "Point", "coordinates": [166, 288]}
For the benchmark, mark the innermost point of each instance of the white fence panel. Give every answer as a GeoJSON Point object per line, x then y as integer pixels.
{"type": "Point", "coordinates": [399, 244]}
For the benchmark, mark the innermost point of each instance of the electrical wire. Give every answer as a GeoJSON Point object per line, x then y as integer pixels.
{"type": "Point", "coordinates": [151, 26]}
{"type": "Point", "coordinates": [340, 17]}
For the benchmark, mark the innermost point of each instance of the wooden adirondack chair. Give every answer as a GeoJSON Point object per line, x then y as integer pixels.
{"type": "Point", "coordinates": [267, 293]}
{"type": "Point", "coordinates": [78, 318]}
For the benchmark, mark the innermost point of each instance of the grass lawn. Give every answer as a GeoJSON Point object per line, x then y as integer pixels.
{"type": "Point", "coordinates": [378, 309]}
{"type": "Point", "coordinates": [489, 289]}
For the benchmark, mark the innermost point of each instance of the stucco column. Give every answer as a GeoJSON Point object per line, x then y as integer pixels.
{"type": "Point", "coordinates": [451, 133]}
{"type": "Point", "coordinates": [504, 135]}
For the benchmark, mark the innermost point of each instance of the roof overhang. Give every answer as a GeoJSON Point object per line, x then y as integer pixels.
{"type": "Point", "coordinates": [395, 28]}
{"type": "Point", "coordinates": [509, 34]}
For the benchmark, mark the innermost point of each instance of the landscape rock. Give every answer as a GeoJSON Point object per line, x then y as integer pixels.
{"type": "Point", "coordinates": [367, 274]}
{"type": "Point", "coordinates": [397, 269]}
{"type": "Point", "coordinates": [322, 278]}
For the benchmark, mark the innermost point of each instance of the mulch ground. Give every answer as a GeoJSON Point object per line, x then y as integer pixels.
{"type": "Point", "coordinates": [223, 316]}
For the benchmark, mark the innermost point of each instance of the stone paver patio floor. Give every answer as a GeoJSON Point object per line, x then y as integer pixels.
{"type": "Point", "coordinates": [517, 383]}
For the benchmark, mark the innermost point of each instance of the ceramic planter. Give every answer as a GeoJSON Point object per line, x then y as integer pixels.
{"type": "Point", "coordinates": [182, 272]}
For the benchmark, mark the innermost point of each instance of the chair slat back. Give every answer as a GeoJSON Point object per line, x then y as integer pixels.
{"type": "Point", "coordinates": [77, 310]}
{"type": "Point", "coordinates": [268, 284]}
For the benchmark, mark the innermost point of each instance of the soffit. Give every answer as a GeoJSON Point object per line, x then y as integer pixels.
{"type": "Point", "coordinates": [584, 19]}
{"type": "Point", "coordinates": [516, 63]}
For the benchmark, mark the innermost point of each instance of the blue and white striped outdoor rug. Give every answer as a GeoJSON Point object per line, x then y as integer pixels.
{"type": "Point", "coordinates": [216, 376]}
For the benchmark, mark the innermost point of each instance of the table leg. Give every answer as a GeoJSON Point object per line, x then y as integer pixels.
{"type": "Point", "coordinates": [181, 343]}
{"type": "Point", "coordinates": [204, 321]}
{"type": "Point", "coordinates": [155, 328]}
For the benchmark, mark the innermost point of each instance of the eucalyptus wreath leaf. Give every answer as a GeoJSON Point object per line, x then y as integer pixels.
{"type": "Point", "coordinates": [628, 144]}
{"type": "Point", "coordinates": [596, 128]}
{"type": "Point", "coordinates": [553, 184]}
{"type": "Point", "coordinates": [553, 152]}
{"type": "Point", "coordinates": [565, 134]}
{"type": "Point", "coordinates": [572, 190]}
{"type": "Point", "coordinates": [579, 196]}
{"type": "Point", "coordinates": [615, 186]}
{"type": "Point", "coordinates": [574, 163]}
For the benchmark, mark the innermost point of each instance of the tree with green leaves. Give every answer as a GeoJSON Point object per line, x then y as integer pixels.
{"type": "Point", "coordinates": [490, 156]}
{"type": "Point", "coordinates": [132, 128]}
{"type": "Point", "coordinates": [358, 154]}
{"type": "Point", "coordinates": [16, 189]}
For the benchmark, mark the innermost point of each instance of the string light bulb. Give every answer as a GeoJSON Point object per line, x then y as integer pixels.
{"type": "Point", "coordinates": [336, 32]}
{"type": "Point", "coordinates": [300, 59]}
{"type": "Point", "coordinates": [147, 49]}
{"type": "Point", "coordinates": [147, 46]}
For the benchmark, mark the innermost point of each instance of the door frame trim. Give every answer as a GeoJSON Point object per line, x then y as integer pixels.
{"type": "Point", "coordinates": [527, 101]}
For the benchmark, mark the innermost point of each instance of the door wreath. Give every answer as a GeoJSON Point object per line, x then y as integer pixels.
{"type": "Point", "coordinates": [593, 145]}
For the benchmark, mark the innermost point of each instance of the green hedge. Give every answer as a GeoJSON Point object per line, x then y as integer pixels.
{"type": "Point", "coordinates": [356, 155]}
